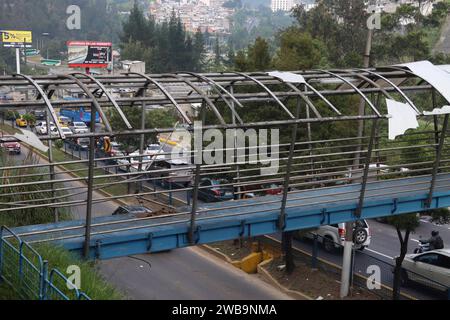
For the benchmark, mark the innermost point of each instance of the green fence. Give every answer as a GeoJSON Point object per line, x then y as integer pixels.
{"type": "Point", "coordinates": [24, 270]}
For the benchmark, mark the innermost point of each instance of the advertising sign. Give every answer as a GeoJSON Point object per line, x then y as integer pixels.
{"type": "Point", "coordinates": [89, 54]}
{"type": "Point", "coordinates": [16, 39]}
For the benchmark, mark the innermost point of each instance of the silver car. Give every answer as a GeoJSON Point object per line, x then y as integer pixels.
{"type": "Point", "coordinates": [431, 268]}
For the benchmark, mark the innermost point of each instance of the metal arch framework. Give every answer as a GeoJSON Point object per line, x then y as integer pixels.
{"type": "Point", "coordinates": [47, 103]}
{"type": "Point", "coordinates": [216, 85]}
{"type": "Point", "coordinates": [300, 93]}
{"type": "Point", "coordinates": [356, 90]}
{"type": "Point", "coordinates": [408, 100]}
{"type": "Point", "coordinates": [259, 83]}
{"type": "Point", "coordinates": [95, 103]}
{"type": "Point", "coordinates": [165, 92]}
{"type": "Point", "coordinates": [202, 94]}
{"type": "Point", "coordinates": [314, 171]}
{"type": "Point", "coordinates": [108, 95]}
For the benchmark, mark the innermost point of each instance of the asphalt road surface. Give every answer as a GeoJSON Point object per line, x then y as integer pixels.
{"type": "Point", "coordinates": [185, 274]}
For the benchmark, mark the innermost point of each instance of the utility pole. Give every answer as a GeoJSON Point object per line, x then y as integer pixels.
{"type": "Point", "coordinates": [348, 243]}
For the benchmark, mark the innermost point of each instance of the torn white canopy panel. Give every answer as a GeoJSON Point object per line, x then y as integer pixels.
{"type": "Point", "coordinates": [432, 74]}
{"type": "Point", "coordinates": [403, 117]}
{"type": "Point", "coordinates": [288, 77]}
{"type": "Point", "coordinates": [438, 111]}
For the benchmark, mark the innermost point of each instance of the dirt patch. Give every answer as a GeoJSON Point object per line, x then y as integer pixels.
{"type": "Point", "coordinates": [313, 283]}
{"type": "Point", "coordinates": [235, 250]}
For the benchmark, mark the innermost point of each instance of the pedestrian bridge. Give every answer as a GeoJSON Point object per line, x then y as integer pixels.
{"type": "Point", "coordinates": [114, 237]}
{"type": "Point", "coordinates": [352, 144]}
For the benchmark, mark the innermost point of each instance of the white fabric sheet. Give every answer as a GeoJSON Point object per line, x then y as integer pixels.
{"type": "Point", "coordinates": [403, 117]}
{"type": "Point", "coordinates": [288, 77]}
{"type": "Point", "coordinates": [434, 75]}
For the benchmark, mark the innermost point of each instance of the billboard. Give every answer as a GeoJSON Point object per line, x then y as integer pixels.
{"type": "Point", "coordinates": [16, 39]}
{"type": "Point", "coordinates": [89, 54]}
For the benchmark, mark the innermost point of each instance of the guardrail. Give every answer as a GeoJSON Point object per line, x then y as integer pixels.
{"type": "Point", "coordinates": [24, 270]}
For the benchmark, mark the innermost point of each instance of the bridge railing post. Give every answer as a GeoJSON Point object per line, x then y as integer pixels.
{"type": "Point", "coordinates": [367, 168]}
{"type": "Point", "coordinates": [315, 251]}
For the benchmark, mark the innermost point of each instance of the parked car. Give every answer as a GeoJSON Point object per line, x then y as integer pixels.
{"type": "Point", "coordinates": [78, 143]}
{"type": "Point", "coordinates": [10, 145]}
{"type": "Point", "coordinates": [79, 127]}
{"type": "Point", "coordinates": [431, 269]}
{"type": "Point", "coordinates": [21, 122]}
{"type": "Point", "coordinates": [332, 237]}
{"type": "Point", "coordinates": [134, 211]}
{"type": "Point", "coordinates": [213, 190]}
{"type": "Point", "coordinates": [64, 121]}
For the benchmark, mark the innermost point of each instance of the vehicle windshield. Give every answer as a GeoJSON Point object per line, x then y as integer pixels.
{"type": "Point", "coordinates": [79, 124]}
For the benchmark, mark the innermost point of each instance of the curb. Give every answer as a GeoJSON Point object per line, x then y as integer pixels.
{"type": "Point", "coordinates": [268, 277]}
{"type": "Point", "coordinates": [263, 273]}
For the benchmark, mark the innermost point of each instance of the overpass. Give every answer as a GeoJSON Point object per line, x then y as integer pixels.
{"type": "Point", "coordinates": [352, 144]}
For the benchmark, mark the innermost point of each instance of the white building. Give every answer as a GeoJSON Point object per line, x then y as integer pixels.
{"type": "Point", "coordinates": [282, 5]}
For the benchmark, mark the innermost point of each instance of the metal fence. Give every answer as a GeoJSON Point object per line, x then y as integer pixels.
{"type": "Point", "coordinates": [24, 270]}
{"type": "Point", "coordinates": [413, 285]}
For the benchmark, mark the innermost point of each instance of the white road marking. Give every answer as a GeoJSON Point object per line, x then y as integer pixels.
{"type": "Point", "coordinates": [379, 253]}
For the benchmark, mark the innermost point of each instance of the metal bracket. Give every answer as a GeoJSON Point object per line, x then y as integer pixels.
{"type": "Point", "coordinates": [324, 213]}
{"type": "Point", "coordinates": [150, 242]}
{"type": "Point", "coordinates": [394, 209]}
{"type": "Point", "coordinates": [282, 222]}
{"type": "Point", "coordinates": [242, 233]}
{"type": "Point", "coordinates": [98, 245]}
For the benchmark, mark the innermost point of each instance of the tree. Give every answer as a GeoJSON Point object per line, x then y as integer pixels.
{"type": "Point", "coordinates": [406, 223]}
{"type": "Point", "coordinates": [259, 56]}
{"type": "Point", "coordinates": [299, 51]}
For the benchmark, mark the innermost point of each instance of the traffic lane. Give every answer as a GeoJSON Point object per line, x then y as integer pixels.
{"type": "Point", "coordinates": [385, 240]}
{"type": "Point", "coordinates": [185, 274]}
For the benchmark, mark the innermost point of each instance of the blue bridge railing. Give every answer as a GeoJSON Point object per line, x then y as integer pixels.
{"type": "Point", "coordinates": [27, 273]}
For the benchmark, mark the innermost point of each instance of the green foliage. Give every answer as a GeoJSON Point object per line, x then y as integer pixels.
{"type": "Point", "coordinates": [406, 222]}
{"type": "Point", "coordinates": [159, 118]}
{"type": "Point", "coordinates": [29, 118]}
{"type": "Point", "coordinates": [440, 216]}
{"type": "Point", "coordinates": [165, 47]}
{"type": "Point", "coordinates": [299, 51]}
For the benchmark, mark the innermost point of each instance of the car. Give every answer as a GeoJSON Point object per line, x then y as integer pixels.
{"type": "Point", "coordinates": [79, 127]}
{"type": "Point", "coordinates": [78, 143]}
{"type": "Point", "coordinates": [65, 130]}
{"type": "Point", "coordinates": [39, 114]}
{"type": "Point", "coordinates": [431, 269]}
{"type": "Point", "coordinates": [64, 121]}
{"type": "Point", "coordinates": [215, 190]}
{"type": "Point", "coordinates": [177, 172]}
{"type": "Point", "coordinates": [133, 162]}
{"type": "Point", "coordinates": [9, 144]}
{"type": "Point", "coordinates": [134, 211]}
{"type": "Point", "coordinates": [332, 237]}
{"type": "Point", "coordinates": [41, 127]}
{"type": "Point", "coordinates": [21, 122]}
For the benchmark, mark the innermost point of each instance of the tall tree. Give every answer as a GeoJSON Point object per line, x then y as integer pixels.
{"type": "Point", "coordinates": [259, 55]}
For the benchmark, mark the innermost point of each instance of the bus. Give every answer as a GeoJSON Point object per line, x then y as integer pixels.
{"type": "Point", "coordinates": [78, 114]}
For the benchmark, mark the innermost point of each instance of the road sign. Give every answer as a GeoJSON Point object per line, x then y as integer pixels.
{"type": "Point", "coordinates": [16, 39]}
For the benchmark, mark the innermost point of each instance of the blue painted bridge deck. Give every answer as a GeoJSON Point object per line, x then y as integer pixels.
{"type": "Point", "coordinates": [122, 236]}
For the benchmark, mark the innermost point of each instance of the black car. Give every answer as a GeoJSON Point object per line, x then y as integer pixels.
{"type": "Point", "coordinates": [39, 114]}
{"type": "Point", "coordinates": [214, 190]}
{"type": "Point", "coordinates": [78, 144]}
{"type": "Point", "coordinates": [136, 211]}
